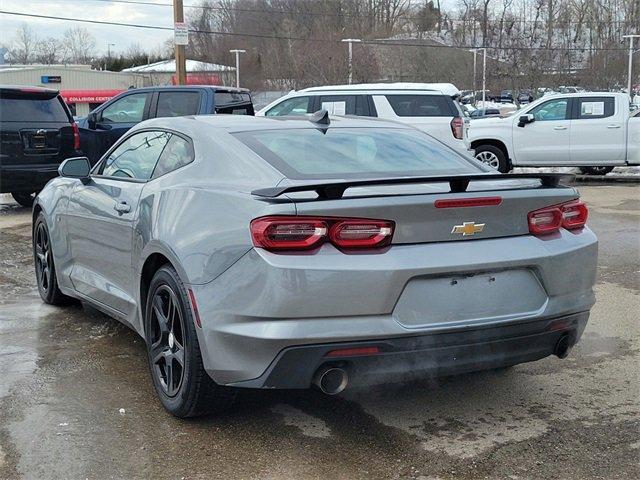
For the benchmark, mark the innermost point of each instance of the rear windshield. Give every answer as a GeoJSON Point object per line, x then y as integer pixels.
{"type": "Point", "coordinates": [225, 98]}
{"type": "Point", "coordinates": [355, 153]}
{"type": "Point", "coordinates": [32, 109]}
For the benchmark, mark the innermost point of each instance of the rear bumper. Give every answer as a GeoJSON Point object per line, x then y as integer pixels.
{"type": "Point", "coordinates": [426, 355]}
{"type": "Point", "coordinates": [26, 178]}
{"type": "Point", "coordinates": [267, 303]}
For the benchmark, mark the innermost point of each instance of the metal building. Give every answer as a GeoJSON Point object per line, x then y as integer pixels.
{"type": "Point", "coordinates": [82, 88]}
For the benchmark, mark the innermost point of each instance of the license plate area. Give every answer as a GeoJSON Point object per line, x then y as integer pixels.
{"type": "Point", "coordinates": [470, 298]}
{"type": "Point", "coordinates": [40, 141]}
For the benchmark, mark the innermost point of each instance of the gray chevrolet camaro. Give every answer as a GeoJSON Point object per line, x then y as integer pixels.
{"type": "Point", "coordinates": [290, 252]}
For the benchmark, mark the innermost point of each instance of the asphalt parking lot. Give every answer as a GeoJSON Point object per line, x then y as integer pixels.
{"type": "Point", "coordinates": [67, 373]}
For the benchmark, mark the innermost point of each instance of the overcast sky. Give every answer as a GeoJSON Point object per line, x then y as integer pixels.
{"type": "Point", "coordinates": [88, 9]}
{"type": "Point", "coordinates": [122, 37]}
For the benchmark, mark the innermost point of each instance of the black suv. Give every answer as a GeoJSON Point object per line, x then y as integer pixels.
{"type": "Point", "coordinates": [37, 133]}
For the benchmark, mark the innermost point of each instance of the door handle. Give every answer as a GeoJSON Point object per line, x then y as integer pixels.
{"type": "Point", "coordinates": [122, 207]}
{"type": "Point", "coordinates": [613, 126]}
{"type": "Point", "coordinates": [559, 127]}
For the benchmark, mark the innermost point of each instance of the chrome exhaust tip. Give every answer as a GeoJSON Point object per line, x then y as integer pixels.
{"type": "Point", "coordinates": [331, 380]}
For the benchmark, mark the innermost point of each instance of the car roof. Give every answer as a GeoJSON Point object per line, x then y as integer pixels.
{"type": "Point", "coordinates": [443, 88]}
{"type": "Point", "coordinates": [27, 89]}
{"type": "Point", "coordinates": [238, 123]}
{"type": "Point", "coordinates": [177, 87]}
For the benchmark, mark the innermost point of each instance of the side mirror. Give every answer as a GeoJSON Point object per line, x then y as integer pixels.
{"type": "Point", "coordinates": [526, 119]}
{"type": "Point", "coordinates": [92, 120]}
{"type": "Point", "coordinates": [76, 167]}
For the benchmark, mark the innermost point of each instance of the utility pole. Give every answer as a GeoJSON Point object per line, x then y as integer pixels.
{"type": "Point", "coordinates": [238, 52]}
{"type": "Point", "coordinates": [630, 75]}
{"type": "Point", "coordinates": [351, 41]}
{"type": "Point", "coordinates": [181, 62]}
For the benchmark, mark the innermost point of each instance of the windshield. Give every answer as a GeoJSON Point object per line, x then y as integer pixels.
{"type": "Point", "coordinates": [355, 152]}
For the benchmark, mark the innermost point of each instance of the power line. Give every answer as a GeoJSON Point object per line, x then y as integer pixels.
{"type": "Point", "coordinates": [340, 15]}
{"type": "Point", "coordinates": [392, 42]}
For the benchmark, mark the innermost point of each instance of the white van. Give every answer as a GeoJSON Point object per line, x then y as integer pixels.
{"type": "Point", "coordinates": [431, 107]}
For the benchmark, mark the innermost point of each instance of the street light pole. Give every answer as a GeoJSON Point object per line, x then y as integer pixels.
{"type": "Point", "coordinates": [237, 52]}
{"type": "Point", "coordinates": [181, 62]}
{"type": "Point", "coordinates": [109, 45]}
{"type": "Point", "coordinates": [484, 76]}
{"type": "Point", "coordinates": [351, 41]}
{"type": "Point", "coordinates": [630, 75]}
{"type": "Point", "coordinates": [475, 68]}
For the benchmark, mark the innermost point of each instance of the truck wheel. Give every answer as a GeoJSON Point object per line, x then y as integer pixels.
{"type": "Point", "coordinates": [24, 198]}
{"type": "Point", "coordinates": [595, 170]}
{"type": "Point", "coordinates": [494, 157]}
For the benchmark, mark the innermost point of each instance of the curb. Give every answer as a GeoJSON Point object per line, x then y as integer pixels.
{"type": "Point", "coordinates": [607, 179]}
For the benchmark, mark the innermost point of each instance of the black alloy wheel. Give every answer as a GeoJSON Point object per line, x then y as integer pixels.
{"type": "Point", "coordinates": [45, 267]}
{"type": "Point", "coordinates": [42, 257]}
{"type": "Point", "coordinates": [167, 340]}
{"type": "Point", "coordinates": [183, 386]}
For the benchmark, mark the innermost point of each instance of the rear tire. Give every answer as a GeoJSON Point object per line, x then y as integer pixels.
{"type": "Point", "coordinates": [175, 361]}
{"type": "Point", "coordinates": [494, 157]}
{"type": "Point", "coordinates": [596, 170]}
{"type": "Point", "coordinates": [24, 198]}
{"type": "Point", "coordinates": [45, 267]}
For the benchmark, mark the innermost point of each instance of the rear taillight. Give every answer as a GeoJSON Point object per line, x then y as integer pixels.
{"type": "Point", "coordinates": [291, 233]}
{"type": "Point", "coordinates": [570, 215]}
{"type": "Point", "coordinates": [76, 136]}
{"type": "Point", "coordinates": [361, 233]}
{"type": "Point", "coordinates": [457, 125]}
{"type": "Point", "coordinates": [574, 215]}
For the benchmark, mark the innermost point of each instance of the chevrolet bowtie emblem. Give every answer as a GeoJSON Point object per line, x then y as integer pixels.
{"type": "Point", "coordinates": [468, 228]}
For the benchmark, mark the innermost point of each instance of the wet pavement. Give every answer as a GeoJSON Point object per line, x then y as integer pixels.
{"type": "Point", "coordinates": [66, 373]}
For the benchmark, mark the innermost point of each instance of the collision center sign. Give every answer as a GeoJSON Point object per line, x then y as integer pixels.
{"type": "Point", "coordinates": [181, 33]}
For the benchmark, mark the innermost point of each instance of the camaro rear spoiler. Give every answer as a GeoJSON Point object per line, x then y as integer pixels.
{"type": "Point", "coordinates": [457, 183]}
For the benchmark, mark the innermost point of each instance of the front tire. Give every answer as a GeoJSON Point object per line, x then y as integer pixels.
{"type": "Point", "coordinates": [45, 267]}
{"type": "Point", "coordinates": [175, 361]}
{"type": "Point", "coordinates": [24, 198]}
{"type": "Point", "coordinates": [596, 170]}
{"type": "Point", "coordinates": [494, 157]}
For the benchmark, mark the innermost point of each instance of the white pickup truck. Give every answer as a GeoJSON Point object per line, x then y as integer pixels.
{"type": "Point", "coordinates": [593, 131]}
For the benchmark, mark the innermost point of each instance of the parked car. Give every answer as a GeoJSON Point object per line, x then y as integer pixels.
{"type": "Point", "coordinates": [525, 97]}
{"type": "Point", "coordinates": [285, 253]}
{"type": "Point", "coordinates": [431, 107]}
{"type": "Point", "coordinates": [466, 97]}
{"type": "Point", "coordinates": [506, 96]}
{"type": "Point", "coordinates": [37, 133]}
{"type": "Point", "coordinates": [484, 113]}
{"type": "Point", "coordinates": [592, 131]}
{"type": "Point", "coordinates": [107, 123]}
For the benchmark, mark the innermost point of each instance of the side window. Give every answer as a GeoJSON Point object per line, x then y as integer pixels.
{"type": "Point", "coordinates": [128, 109]}
{"type": "Point", "coordinates": [291, 106]}
{"type": "Point", "coordinates": [136, 157]}
{"type": "Point", "coordinates": [177, 104]}
{"type": "Point", "coordinates": [420, 105]}
{"type": "Point", "coordinates": [177, 153]}
{"type": "Point", "coordinates": [595, 107]}
{"type": "Point", "coordinates": [344, 104]}
{"type": "Point", "coordinates": [551, 110]}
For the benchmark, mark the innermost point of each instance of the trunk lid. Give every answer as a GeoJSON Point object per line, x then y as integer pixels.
{"type": "Point", "coordinates": [420, 218]}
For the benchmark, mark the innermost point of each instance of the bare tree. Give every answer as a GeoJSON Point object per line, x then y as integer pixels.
{"type": "Point", "coordinates": [78, 45]}
{"type": "Point", "coordinates": [24, 45]}
{"type": "Point", "coordinates": [47, 51]}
